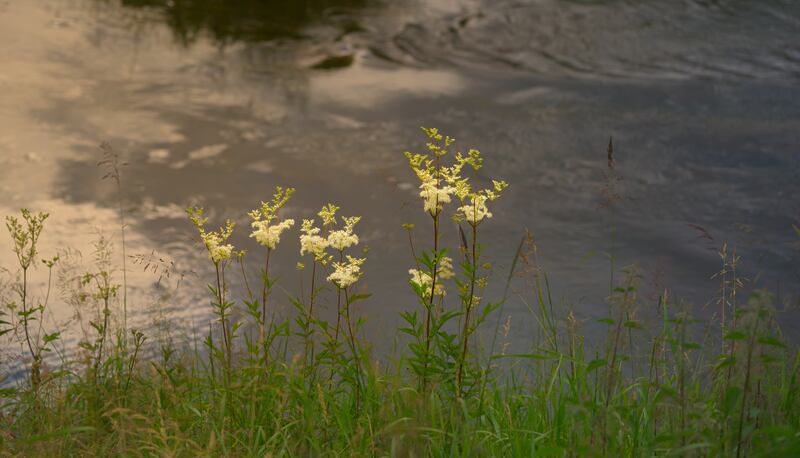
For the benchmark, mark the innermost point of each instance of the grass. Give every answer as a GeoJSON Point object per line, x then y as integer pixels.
{"type": "Point", "coordinates": [259, 386]}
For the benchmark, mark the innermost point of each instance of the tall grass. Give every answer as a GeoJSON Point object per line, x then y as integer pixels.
{"type": "Point", "coordinates": [263, 386]}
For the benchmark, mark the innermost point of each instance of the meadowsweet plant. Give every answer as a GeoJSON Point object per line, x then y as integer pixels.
{"type": "Point", "coordinates": [346, 272]}
{"type": "Point", "coordinates": [339, 240]}
{"type": "Point", "coordinates": [474, 211]}
{"type": "Point", "coordinates": [315, 245]}
{"type": "Point", "coordinates": [344, 276]}
{"type": "Point", "coordinates": [267, 230]}
{"type": "Point", "coordinates": [219, 252]}
{"type": "Point", "coordinates": [438, 183]}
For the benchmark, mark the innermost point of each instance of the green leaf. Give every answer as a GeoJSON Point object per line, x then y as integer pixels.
{"type": "Point", "coordinates": [595, 364]}
{"type": "Point", "coordinates": [731, 400]}
{"type": "Point", "coordinates": [771, 341]}
{"type": "Point", "coordinates": [735, 335]}
{"type": "Point", "coordinates": [8, 392]}
{"type": "Point", "coordinates": [551, 450]}
{"type": "Point", "coordinates": [726, 362]}
{"type": "Point", "coordinates": [525, 355]}
{"type": "Point", "coordinates": [633, 324]}
{"type": "Point", "coordinates": [359, 297]}
{"type": "Point", "coordinates": [51, 337]}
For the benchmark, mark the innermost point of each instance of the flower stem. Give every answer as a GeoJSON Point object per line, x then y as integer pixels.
{"type": "Point", "coordinates": [466, 331]}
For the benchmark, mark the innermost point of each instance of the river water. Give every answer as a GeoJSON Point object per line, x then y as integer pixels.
{"type": "Point", "coordinates": [215, 103]}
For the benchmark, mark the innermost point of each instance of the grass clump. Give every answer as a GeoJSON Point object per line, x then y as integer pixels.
{"type": "Point", "coordinates": [264, 386]}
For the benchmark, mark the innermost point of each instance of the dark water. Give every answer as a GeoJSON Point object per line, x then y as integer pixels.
{"type": "Point", "coordinates": [215, 102]}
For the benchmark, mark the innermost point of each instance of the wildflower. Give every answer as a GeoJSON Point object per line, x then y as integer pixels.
{"type": "Point", "coordinates": [328, 214]}
{"type": "Point", "coordinates": [269, 236]}
{"type": "Point", "coordinates": [434, 197]}
{"type": "Point", "coordinates": [424, 280]}
{"type": "Point", "coordinates": [439, 182]}
{"type": "Point", "coordinates": [266, 234]}
{"type": "Point", "coordinates": [346, 273]}
{"type": "Point", "coordinates": [476, 211]}
{"type": "Point", "coordinates": [445, 271]}
{"type": "Point", "coordinates": [344, 238]}
{"type": "Point", "coordinates": [218, 250]}
{"type": "Point", "coordinates": [311, 241]}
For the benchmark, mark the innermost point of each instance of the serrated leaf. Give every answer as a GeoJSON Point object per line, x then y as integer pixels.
{"type": "Point", "coordinates": [771, 341]}
{"type": "Point", "coordinates": [726, 362]}
{"type": "Point", "coordinates": [735, 335]}
{"type": "Point", "coordinates": [595, 364]}
{"type": "Point", "coordinates": [51, 337]}
{"type": "Point", "coordinates": [732, 396]}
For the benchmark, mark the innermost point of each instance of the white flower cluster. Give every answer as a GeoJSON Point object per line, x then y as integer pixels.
{"type": "Point", "coordinates": [476, 210]}
{"type": "Point", "coordinates": [266, 234]}
{"type": "Point", "coordinates": [344, 238]}
{"type": "Point", "coordinates": [424, 280]}
{"type": "Point", "coordinates": [217, 250]}
{"type": "Point", "coordinates": [439, 182]}
{"type": "Point", "coordinates": [311, 241]}
{"type": "Point", "coordinates": [434, 198]}
{"type": "Point", "coordinates": [270, 235]}
{"type": "Point", "coordinates": [443, 272]}
{"type": "Point", "coordinates": [346, 273]}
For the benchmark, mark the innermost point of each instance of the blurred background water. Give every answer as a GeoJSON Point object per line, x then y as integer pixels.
{"type": "Point", "coordinates": [215, 102]}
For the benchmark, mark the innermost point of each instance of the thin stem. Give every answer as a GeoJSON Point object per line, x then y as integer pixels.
{"type": "Point", "coordinates": [338, 304]}
{"type": "Point", "coordinates": [310, 317]}
{"type": "Point", "coordinates": [313, 281]}
{"type": "Point", "coordinates": [124, 262]}
{"type": "Point", "coordinates": [353, 350]}
{"type": "Point", "coordinates": [106, 313]}
{"type": "Point", "coordinates": [264, 290]}
{"type": "Point", "coordinates": [750, 346]}
{"type": "Point", "coordinates": [221, 305]}
{"type": "Point", "coordinates": [244, 276]}
{"type": "Point", "coordinates": [25, 311]}
{"type": "Point", "coordinates": [470, 300]}
{"type": "Point", "coordinates": [429, 308]}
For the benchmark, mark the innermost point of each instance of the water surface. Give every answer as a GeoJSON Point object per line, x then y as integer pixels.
{"type": "Point", "coordinates": [215, 103]}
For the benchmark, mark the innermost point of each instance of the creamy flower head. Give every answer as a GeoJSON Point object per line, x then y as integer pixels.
{"type": "Point", "coordinates": [424, 280]}
{"type": "Point", "coordinates": [266, 234]}
{"type": "Point", "coordinates": [476, 210]}
{"type": "Point", "coordinates": [346, 273]}
{"type": "Point", "coordinates": [311, 241]}
{"type": "Point", "coordinates": [270, 235]}
{"type": "Point", "coordinates": [434, 197]}
{"type": "Point", "coordinates": [438, 182]}
{"type": "Point", "coordinates": [344, 238]}
{"type": "Point", "coordinates": [218, 250]}
{"type": "Point", "coordinates": [445, 269]}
